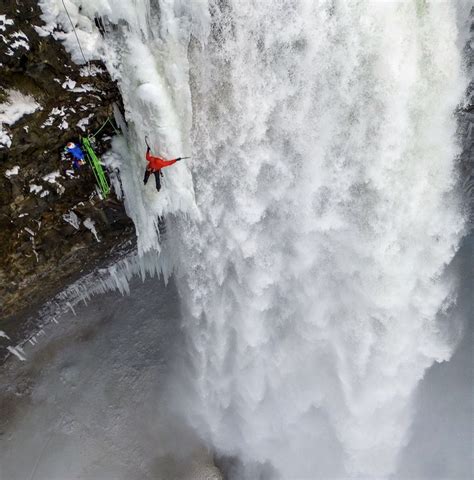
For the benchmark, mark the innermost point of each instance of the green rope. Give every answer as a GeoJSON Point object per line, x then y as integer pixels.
{"type": "Point", "coordinates": [103, 126]}
{"type": "Point", "coordinates": [96, 166]}
{"type": "Point", "coordinates": [94, 161]}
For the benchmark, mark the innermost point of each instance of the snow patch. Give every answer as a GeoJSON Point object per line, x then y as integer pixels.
{"type": "Point", "coordinates": [21, 41]}
{"type": "Point", "coordinates": [59, 26]}
{"type": "Point", "coordinates": [35, 188]}
{"type": "Point", "coordinates": [82, 124]}
{"type": "Point", "coordinates": [17, 44]}
{"type": "Point", "coordinates": [5, 139]}
{"type": "Point", "coordinates": [18, 352]}
{"type": "Point", "coordinates": [91, 71]}
{"type": "Point", "coordinates": [12, 171]}
{"type": "Point", "coordinates": [19, 34]}
{"type": "Point", "coordinates": [12, 110]}
{"type": "Point", "coordinates": [51, 177]}
{"type": "Point", "coordinates": [72, 219]}
{"type": "Point", "coordinates": [3, 22]}
{"type": "Point", "coordinates": [48, 122]}
{"type": "Point", "coordinates": [84, 88]}
{"type": "Point", "coordinates": [90, 225]}
{"type": "Point", "coordinates": [69, 84]}
{"type": "Point", "coordinates": [42, 32]}
{"type": "Point", "coordinates": [56, 112]}
{"type": "Point", "coordinates": [4, 335]}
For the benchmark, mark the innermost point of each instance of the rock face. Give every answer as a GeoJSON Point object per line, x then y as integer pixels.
{"type": "Point", "coordinates": [53, 223]}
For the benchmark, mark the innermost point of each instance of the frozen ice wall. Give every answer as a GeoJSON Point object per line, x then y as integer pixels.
{"type": "Point", "coordinates": [145, 50]}
{"type": "Point", "coordinates": [311, 243]}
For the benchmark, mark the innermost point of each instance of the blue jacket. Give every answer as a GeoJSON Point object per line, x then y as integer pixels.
{"type": "Point", "coordinates": [76, 152]}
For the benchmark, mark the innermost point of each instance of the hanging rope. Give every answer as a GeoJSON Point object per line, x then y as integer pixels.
{"type": "Point", "coordinates": [103, 125]}
{"type": "Point", "coordinates": [77, 38]}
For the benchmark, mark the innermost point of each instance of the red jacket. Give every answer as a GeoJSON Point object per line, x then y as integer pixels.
{"type": "Point", "coordinates": [157, 163]}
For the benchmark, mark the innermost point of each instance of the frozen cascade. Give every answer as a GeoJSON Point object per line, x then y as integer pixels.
{"type": "Point", "coordinates": [310, 251]}
{"type": "Point", "coordinates": [146, 52]}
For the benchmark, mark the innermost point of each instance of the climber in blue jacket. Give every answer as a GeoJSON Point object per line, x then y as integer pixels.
{"type": "Point", "coordinates": [78, 156]}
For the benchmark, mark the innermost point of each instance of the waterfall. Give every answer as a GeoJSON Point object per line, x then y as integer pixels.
{"type": "Point", "coordinates": [312, 227]}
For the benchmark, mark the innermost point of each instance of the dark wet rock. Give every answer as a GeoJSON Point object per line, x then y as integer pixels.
{"type": "Point", "coordinates": [39, 251]}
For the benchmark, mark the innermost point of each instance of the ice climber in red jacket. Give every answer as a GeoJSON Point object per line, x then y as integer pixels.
{"type": "Point", "coordinates": [155, 164]}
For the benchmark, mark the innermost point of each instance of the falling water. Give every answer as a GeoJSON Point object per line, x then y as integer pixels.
{"type": "Point", "coordinates": [312, 227]}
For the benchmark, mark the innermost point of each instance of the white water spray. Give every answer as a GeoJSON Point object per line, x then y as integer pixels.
{"type": "Point", "coordinates": [311, 251]}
